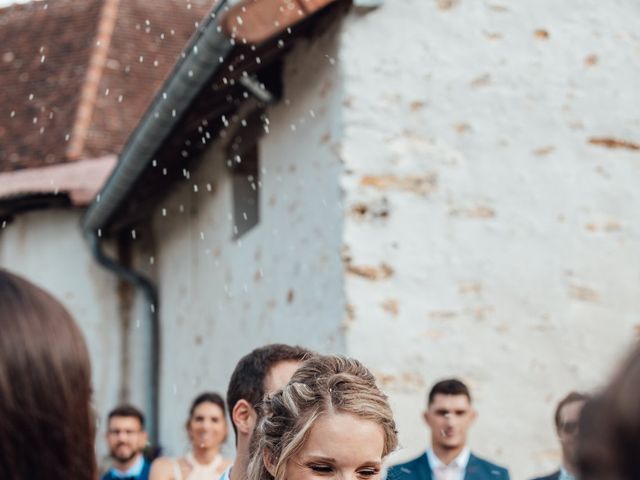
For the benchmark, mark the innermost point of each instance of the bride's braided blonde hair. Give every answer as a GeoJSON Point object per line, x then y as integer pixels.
{"type": "Point", "coordinates": [322, 385]}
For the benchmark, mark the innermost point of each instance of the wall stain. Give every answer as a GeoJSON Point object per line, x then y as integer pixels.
{"type": "Point", "coordinates": [420, 184]}
{"type": "Point", "coordinates": [446, 4]}
{"type": "Point", "coordinates": [480, 312]}
{"type": "Point", "coordinates": [541, 34]}
{"type": "Point", "coordinates": [462, 127]}
{"type": "Point", "coordinates": [350, 316]}
{"type": "Point", "coordinates": [493, 35]}
{"type": "Point", "coordinates": [542, 151]}
{"type": "Point", "coordinates": [404, 381]}
{"type": "Point", "coordinates": [479, 211]}
{"type": "Point", "coordinates": [443, 315]}
{"type": "Point", "coordinates": [608, 226]}
{"type": "Point", "coordinates": [371, 273]}
{"type": "Point", "coordinates": [583, 293]}
{"type": "Point", "coordinates": [379, 209]}
{"type": "Point", "coordinates": [391, 306]}
{"type": "Point", "coordinates": [610, 142]}
{"type": "Point", "coordinates": [468, 288]}
{"type": "Point", "coordinates": [416, 105]}
{"type": "Point", "coordinates": [481, 81]}
{"type": "Point", "coordinates": [591, 60]}
{"type": "Point", "coordinates": [433, 334]}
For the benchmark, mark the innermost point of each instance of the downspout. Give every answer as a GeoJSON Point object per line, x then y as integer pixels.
{"type": "Point", "coordinates": [202, 57]}
{"type": "Point", "coordinates": [150, 292]}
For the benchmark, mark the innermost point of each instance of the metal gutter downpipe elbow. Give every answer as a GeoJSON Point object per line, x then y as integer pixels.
{"type": "Point", "coordinates": [152, 359]}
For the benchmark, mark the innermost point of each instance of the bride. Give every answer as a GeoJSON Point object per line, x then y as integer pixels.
{"type": "Point", "coordinates": [207, 430]}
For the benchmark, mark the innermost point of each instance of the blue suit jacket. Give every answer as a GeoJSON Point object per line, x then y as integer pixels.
{"type": "Point", "coordinates": [144, 474]}
{"type": "Point", "coordinates": [553, 476]}
{"type": "Point", "coordinates": [419, 469]}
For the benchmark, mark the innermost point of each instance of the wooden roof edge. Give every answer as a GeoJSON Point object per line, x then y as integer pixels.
{"type": "Point", "coordinates": [255, 21]}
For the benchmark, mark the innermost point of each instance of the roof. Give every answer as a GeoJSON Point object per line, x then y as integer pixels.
{"type": "Point", "coordinates": [207, 93]}
{"type": "Point", "coordinates": [77, 75]}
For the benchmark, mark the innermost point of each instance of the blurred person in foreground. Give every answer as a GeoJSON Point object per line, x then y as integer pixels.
{"type": "Point", "coordinates": [329, 421]}
{"type": "Point", "coordinates": [449, 416]}
{"type": "Point", "coordinates": [609, 436]}
{"type": "Point", "coordinates": [207, 430]}
{"type": "Point", "coordinates": [127, 438]}
{"type": "Point", "coordinates": [47, 425]}
{"type": "Point", "coordinates": [264, 370]}
{"type": "Point", "coordinates": [567, 418]}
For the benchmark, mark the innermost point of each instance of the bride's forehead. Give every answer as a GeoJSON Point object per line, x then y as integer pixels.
{"type": "Point", "coordinates": [338, 429]}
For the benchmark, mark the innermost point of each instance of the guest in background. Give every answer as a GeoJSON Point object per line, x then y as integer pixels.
{"type": "Point", "coordinates": [329, 421]}
{"type": "Point", "coordinates": [567, 418]}
{"type": "Point", "coordinates": [449, 415]}
{"type": "Point", "coordinates": [127, 439]}
{"type": "Point", "coordinates": [47, 427]}
{"type": "Point", "coordinates": [609, 436]}
{"type": "Point", "coordinates": [207, 430]}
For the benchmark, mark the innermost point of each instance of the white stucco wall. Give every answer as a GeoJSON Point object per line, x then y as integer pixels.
{"type": "Point", "coordinates": [281, 281]}
{"type": "Point", "coordinates": [47, 248]}
{"type": "Point", "coordinates": [492, 229]}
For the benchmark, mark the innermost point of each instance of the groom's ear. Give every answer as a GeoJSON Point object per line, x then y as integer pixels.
{"type": "Point", "coordinates": [244, 417]}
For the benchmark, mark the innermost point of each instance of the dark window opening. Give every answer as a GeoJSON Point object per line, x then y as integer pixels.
{"type": "Point", "coordinates": [243, 161]}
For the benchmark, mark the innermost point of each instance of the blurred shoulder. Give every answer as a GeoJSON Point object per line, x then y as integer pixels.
{"type": "Point", "coordinates": [489, 469]}
{"type": "Point", "coordinates": [226, 463]}
{"type": "Point", "coordinates": [409, 469]}
{"type": "Point", "coordinates": [162, 469]}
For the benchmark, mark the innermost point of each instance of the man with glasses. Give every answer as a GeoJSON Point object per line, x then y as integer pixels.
{"type": "Point", "coordinates": [567, 417]}
{"type": "Point", "coordinates": [127, 438]}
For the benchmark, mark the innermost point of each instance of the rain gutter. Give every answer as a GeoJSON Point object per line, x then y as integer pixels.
{"type": "Point", "coordinates": [202, 57]}
{"type": "Point", "coordinates": [205, 53]}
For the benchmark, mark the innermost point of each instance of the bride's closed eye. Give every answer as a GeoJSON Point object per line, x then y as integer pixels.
{"type": "Point", "coordinates": [368, 472]}
{"type": "Point", "coordinates": [318, 468]}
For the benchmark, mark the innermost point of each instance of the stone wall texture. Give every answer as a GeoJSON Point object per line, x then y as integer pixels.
{"type": "Point", "coordinates": [492, 156]}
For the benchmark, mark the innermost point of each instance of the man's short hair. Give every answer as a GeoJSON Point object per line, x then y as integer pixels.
{"type": "Point", "coordinates": [127, 411]}
{"type": "Point", "coordinates": [247, 380]}
{"type": "Point", "coordinates": [450, 386]}
{"type": "Point", "coordinates": [569, 398]}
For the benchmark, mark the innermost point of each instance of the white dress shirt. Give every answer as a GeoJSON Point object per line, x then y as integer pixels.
{"type": "Point", "coordinates": [454, 471]}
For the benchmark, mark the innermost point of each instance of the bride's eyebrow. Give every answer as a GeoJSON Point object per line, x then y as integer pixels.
{"type": "Point", "coordinates": [318, 458]}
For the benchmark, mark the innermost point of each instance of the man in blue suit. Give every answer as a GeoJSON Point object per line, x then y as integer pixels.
{"type": "Point", "coordinates": [566, 418]}
{"type": "Point", "coordinates": [127, 438]}
{"type": "Point", "coordinates": [449, 415]}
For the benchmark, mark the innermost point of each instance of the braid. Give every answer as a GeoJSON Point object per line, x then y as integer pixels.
{"type": "Point", "coordinates": [322, 385]}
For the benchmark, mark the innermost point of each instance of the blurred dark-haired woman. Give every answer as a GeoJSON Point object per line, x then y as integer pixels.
{"type": "Point", "coordinates": [609, 442]}
{"type": "Point", "coordinates": [47, 427]}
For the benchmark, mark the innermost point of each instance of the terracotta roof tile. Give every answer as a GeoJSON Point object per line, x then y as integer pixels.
{"type": "Point", "coordinates": [43, 57]}
{"type": "Point", "coordinates": [146, 43]}
{"type": "Point", "coordinates": [46, 49]}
